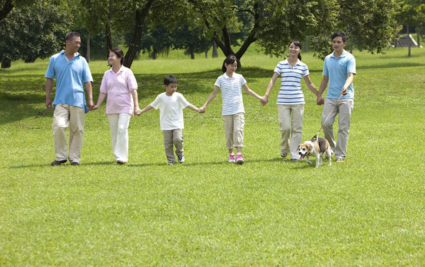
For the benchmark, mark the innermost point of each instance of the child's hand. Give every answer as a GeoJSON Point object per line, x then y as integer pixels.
{"type": "Point", "coordinates": [95, 107]}
{"type": "Point", "coordinates": [264, 100]}
{"type": "Point", "coordinates": [137, 112]}
{"type": "Point", "coordinates": [202, 109]}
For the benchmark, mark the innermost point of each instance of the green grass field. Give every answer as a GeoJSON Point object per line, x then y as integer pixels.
{"type": "Point", "coordinates": [367, 211]}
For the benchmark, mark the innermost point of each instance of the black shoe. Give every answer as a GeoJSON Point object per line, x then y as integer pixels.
{"type": "Point", "coordinates": [120, 162]}
{"type": "Point", "coordinates": [74, 163]}
{"type": "Point", "coordinates": [58, 162]}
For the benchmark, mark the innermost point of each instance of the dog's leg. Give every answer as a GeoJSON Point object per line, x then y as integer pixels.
{"type": "Point", "coordinates": [307, 160]}
{"type": "Point", "coordinates": [329, 152]}
{"type": "Point", "coordinates": [317, 160]}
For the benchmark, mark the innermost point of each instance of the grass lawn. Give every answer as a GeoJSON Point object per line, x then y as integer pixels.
{"type": "Point", "coordinates": [367, 211]}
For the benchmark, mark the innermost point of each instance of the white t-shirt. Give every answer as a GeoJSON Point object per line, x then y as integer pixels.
{"type": "Point", "coordinates": [231, 92]}
{"type": "Point", "coordinates": [171, 110]}
{"type": "Point", "coordinates": [291, 92]}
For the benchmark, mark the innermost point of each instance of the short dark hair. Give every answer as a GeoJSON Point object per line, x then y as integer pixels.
{"type": "Point", "coordinates": [170, 79]}
{"type": "Point", "coordinates": [120, 54]}
{"type": "Point", "coordinates": [230, 59]}
{"type": "Point", "coordinates": [71, 35]}
{"type": "Point", "coordinates": [339, 34]}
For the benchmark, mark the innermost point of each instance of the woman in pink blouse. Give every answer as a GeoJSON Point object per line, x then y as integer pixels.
{"type": "Point", "coordinates": [120, 85]}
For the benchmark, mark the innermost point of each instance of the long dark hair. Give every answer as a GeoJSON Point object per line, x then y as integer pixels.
{"type": "Point", "coordinates": [297, 43]}
{"type": "Point", "coordinates": [120, 54]}
{"type": "Point", "coordinates": [230, 59]}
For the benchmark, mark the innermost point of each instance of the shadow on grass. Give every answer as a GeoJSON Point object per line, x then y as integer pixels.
{"type": "Point", "coordinates": [110, 163]}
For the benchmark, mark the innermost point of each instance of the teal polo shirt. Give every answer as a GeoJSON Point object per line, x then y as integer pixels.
{"type": "Point", "coordinates": [70, 78]}
{"type": "Point", "coordinates": [337, 69]}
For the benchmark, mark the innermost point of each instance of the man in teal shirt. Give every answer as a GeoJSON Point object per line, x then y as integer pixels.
{"type": "Point", "coordinates": [72, 73]}
{"type": "Point", "coordinates": [338, 70]}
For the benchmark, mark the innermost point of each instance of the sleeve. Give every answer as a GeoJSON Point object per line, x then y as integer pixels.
{"type": "Point", "coordinates": [306, 71]}
{"type": "Point", "coordinates": [131, 81]}
{"type": "Point", "coordinates": [325, 68]}
{"type": "Point", "coordinates": [218, 82]}
{"type": "Point", "coordinates": [182, 101]}
{"type": "Point", "coordinates": [50, 73]}
{"type": "Point", "coordinates": [104, 84]}
{"type": "Point", "coordinates": [351, 66]}
{"type": "Point", "coordinates": [87, 77]}
{"type": "Point", "coordinates": [242, 81]}
{"type": "Point", "coordinates": [157, 102]}
{"type": "Point", "coordinates": [277, 69]}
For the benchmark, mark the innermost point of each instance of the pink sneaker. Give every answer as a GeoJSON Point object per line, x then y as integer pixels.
{"type": "Point", "coordinates": [231, 158]}
{"type": "Point", "coordinates": [239, 159]}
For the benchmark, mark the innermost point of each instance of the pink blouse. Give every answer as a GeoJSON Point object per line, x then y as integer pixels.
{"type": "Point", "coordinates": [118, 87]}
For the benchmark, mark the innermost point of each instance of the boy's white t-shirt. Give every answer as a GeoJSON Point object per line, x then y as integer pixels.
{"type": "Point", "coordinates": [171, 110]}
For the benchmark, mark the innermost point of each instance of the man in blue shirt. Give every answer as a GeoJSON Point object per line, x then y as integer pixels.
{"type": "Point", "coordinates": [72, 72]}
{"type": "Point", "coordinates": [339, 70]}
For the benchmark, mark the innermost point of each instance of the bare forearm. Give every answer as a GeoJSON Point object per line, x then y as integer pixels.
{"type": "Point", "coordinates": [135, 99]}
{"type": "Point", "coordinates": [101, 98]}
{"type": "Point", "coordinates": [192, 107]}
{"type": "Point", "coordinates": [323, 86]}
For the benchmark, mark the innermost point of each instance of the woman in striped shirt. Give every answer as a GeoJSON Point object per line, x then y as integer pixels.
{"type": "Point", "coordinates": [290, 101]}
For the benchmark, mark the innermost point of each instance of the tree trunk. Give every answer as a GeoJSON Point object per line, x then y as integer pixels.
{"type": "Point", "coordinates": [141, 15]}
{"type": "Point", "coordinates": [418, 35]}
{"type": "Point", "coordinates": [408, 38]}
{"type": "Point", "coordinates": [206, 53]}
{"type": "Point", "coordinates": [5, 9]}
{"type": "Point", "coordinates": [214, 52]}
{"type": "Point", "coordinates": [6, 63]}
{"type": "Point", "coordinates": [108, 34]}
{"type": "Point", "coordinates": [154, 54]}
{"type": "Point", "coordinates": [88, 48]}
{"type": "Point", "coordinates": [192, 54]}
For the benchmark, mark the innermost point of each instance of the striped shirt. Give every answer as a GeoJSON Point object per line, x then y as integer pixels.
{"type": "Point", "coordinates": [231, 93]}
{"type": "Point", "coordinates": [290, 88]}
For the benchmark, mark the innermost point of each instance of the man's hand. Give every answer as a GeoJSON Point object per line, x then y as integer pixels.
{"type": "Point", "coordinates": [48, 103]}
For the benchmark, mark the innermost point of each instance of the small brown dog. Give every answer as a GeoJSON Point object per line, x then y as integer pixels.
{"type": "Point", "coordinates": [317, 148]}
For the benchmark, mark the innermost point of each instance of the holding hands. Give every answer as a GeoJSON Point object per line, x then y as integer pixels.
{"type": "Point", "coordinates": [264, 100]}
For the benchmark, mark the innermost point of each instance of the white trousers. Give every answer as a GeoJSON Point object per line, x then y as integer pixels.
{"type": "Point", "coordinates": [291, 126]}
{"type": "Point", "coordinates": [118, 124]}
{"type": "Point", "coordinates": [64, 116]}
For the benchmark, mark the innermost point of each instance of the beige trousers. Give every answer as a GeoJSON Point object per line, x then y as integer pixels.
{"type": "Point", "coordinates": [173, 137]}
{"type": "Point", "coordinates": [291, 127]}
{"type": "Point", "coordinates": [233, 129]}
{"type": "Point", "coordinates": [344, 107]}
{"type": "Point", "coordinates": [118, 124]}
{"type": "Point", "coordinates": [64, 116]}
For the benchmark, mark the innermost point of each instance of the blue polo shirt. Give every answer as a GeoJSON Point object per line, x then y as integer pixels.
{"type": "Point", "coordinates": [70, 78]}
{"type": "Point", "coordinates": [337, 69]}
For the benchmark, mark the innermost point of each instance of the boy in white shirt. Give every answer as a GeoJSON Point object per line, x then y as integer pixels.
{"type": "Point", "coordinates": [171, 105]}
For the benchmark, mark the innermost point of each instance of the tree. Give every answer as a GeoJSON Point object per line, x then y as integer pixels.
{"type": "Point", "coordinates": [6, 6]}
{"type": "Point", "coordinates": [31, 32]}
{"type": "Point", "coordinates": [274, 23]}
{"type": "Point", "coordinates": [411, 13]}
{"type": "Point", "coordinates": [191, 40]}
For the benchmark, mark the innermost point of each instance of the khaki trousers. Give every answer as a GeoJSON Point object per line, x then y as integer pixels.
{"type": "Point", "coordinates": [173, 137]}
{"type": "Point", "coordinates": [64, 116]}
{"type": "Point", "coordinates": [291, 127]}
{"type": "Point", "coordinates": [344, 107]}
{"type": "Point", "coordinates": [118, 124]}
{"type": "Point", "coordinates": [233, 129]}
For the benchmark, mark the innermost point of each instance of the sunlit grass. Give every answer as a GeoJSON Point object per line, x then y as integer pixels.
{"type": "Point", "coordinates": [270, 211]}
